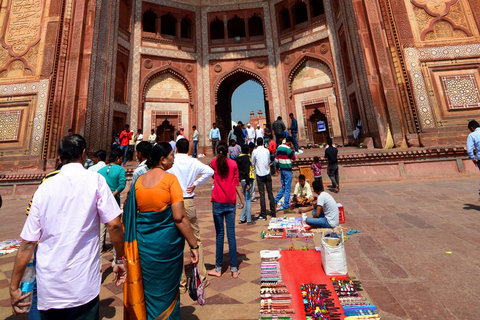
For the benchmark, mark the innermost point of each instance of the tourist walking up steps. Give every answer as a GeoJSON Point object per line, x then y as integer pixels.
{"type": "Point", "coordinates": [278, 128]}
{"type": "Point", "coordinates": [186, 170]}
{"type": "Point", "coordinates": [294, 131]}
{"type": "Point", "coordinates": [331, 153]}
{"type": "Point", "coordinates": [125, 137]}
{"type": "Point", "coordinates": [284, 157]}
{"type": "Point", "coordinates": [261, 162]}
{"type": "Point", "coordinates": [215, 138]}
{"type": "Point", "coordinates": [67, 255]}
{"type": "Point", "coordinates": [226, 188]}
{"type": "Point", "coordinates": [156, 228]}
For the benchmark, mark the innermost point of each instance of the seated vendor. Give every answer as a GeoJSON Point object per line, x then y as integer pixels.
{"type": "Point", "coordinates": [325, 212]}
{"type": "Point", "coordinates": [302, 195]}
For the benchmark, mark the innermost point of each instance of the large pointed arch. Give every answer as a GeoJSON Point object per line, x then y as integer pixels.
{"type": "Point", "coordinates": [248, 73]}
{"type": "Point", "coordinates": [173, 71]}
{"type": "Point", "coordinates": [300, 62]}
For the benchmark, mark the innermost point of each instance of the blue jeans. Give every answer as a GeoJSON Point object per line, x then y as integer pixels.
{"type": "Point", "coordinates": [286, 180]}
{"type": "Point", "coordinates": [221, 210]}
{"type": "Point", "coordinates": [125, 151]}
{"type": "Point", "coordinates": [295, 142]}
{"type": "Point", "coordinates": [34, 314]}
{"type": "Point", "coordinates": [195, 143]}
{"type": "Point", "coordinates": [320, 222]}
{"type": "Point", "coordinates": [247, 196]}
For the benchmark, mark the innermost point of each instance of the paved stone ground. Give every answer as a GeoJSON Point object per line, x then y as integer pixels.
{"type": "Point", "coordinates": [400, 255]}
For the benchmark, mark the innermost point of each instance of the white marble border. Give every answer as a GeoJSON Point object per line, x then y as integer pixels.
{"type": "Point", "coordinates": [40, 89]}
{"type": "Point", "coordinates": [414, 57]}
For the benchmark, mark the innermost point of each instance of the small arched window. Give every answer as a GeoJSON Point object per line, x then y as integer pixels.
{"type": "Point", "coordinates": [167, 24]}
{"type": "Point", "coordinates": [255, 26]}
{"type": "Point", "coordinates": [149, 21]}
{"type": "Point", "coordinates": [317, 7]}
{"type": "Point", "coordinates": [300, 12]}
{"type": "Point", "coordinates": [186, 28]}
{"type": "Point", "coordinates": [217, 30]}
{"type": "Point", "coordinates": [285, 19]}
{"type": "Point", "coordinates": [236, 27]}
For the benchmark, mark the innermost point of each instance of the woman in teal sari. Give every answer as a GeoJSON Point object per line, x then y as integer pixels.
{"type": "Point", "coordinates": [156, 227]}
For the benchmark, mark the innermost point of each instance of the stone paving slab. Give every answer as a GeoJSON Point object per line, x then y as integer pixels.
{"type": "Point", "coordinates": [400, 255]}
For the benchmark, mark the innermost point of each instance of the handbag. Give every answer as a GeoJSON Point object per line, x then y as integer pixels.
{"type": "Point", "coordinates": [195, 287]}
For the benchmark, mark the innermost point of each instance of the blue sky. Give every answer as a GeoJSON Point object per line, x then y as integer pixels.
{"type": "Point", "coordinates": [247, 97]}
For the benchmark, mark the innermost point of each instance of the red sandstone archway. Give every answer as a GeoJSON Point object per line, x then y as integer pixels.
{"type": "Point", "coordinates": [224, 87]}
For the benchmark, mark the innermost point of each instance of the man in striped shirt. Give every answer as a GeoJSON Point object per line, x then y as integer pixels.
{"type": "Point", "coordinates": [283, 159]}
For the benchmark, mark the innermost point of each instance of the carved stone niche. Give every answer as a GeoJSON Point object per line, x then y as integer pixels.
{"type": "Point", "coordinates": [439, 21]}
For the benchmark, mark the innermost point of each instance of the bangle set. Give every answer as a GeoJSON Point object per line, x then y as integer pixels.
{"type": "Point", "coordinates": [195, 248]}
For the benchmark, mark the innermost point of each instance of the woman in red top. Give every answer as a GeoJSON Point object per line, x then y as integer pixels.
{"type": "Point", "coordinates": [224, 196]}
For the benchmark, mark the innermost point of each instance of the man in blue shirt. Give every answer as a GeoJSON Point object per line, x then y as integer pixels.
{"type": "Point", "coordinates": [294, 131]}
{"type": "Point", "coordinates": [214, 137]}
{"type": "Point", "coordinates": [473, 142]}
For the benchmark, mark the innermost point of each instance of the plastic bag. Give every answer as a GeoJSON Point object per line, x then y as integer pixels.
{"type": "Point", "coordinates": [334, 259]}
{"type": "Point", "coordinates": [195, 287]}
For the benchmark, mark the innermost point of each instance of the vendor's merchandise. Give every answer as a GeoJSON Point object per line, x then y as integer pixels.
{"type": "Point", "coordinates": [354, 305]}
{"type": "Point", "coordinates": [275, 300]}
{"type": "Point", "coordinates": [287, 227]}
{"type": "Point", "coordinates": [318, 302]}
{"type": "Point", "coordinates": [9, 246]}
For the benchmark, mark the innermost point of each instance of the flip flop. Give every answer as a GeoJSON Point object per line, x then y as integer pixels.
{"type": "Point", "coordinates": [351, 231]}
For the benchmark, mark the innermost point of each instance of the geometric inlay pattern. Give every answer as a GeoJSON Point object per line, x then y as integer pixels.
{"type": "Point", "coordinates": [10, 125]}
{"type": "Point", "coordinates": [461, 91]}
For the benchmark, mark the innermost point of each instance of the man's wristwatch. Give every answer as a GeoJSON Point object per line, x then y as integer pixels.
{"type": "Point", "coordinates": [120, 261]}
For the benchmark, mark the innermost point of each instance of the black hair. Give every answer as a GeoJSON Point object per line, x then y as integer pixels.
{"type": "Point", "coordinates": [222, 164]}
{"type": "Point", "coordinates": [194, 127]}
{"type": "Point", "coordinates": [245, 149]}
{"type": "Point", "coordinates": [279, 118]}
{"type": "Point", "coordinates": [127, 126]}
{"type": "Point", "coordinates": [182, 146]}
{"type": "Point", "coordinates": [316, 159]}
{"type": "Point", "coordinates": [231, 140]}
{"type": "Point", "coordinates": [214, 124]}
{"type": "Point", "coordinates": [159, 151]}
{"type": "Point", "coordinates": [70, 130]}
{"type": "Point", "coordinates": [317, 186]}
{"type": "Point", "coordinates": [145, 148]}
{"type": "Point", "coordinates": [102, 154]}
{"type": "Point", "coordinates": [139, 130]}
{"type": "Point", "coordinates": [115, 154]}
{"type": "Point", "coordinates": [473, 124]}
{"type": "Point", "coordinates": [289, 139]}
{"type": "Point", "coordinates": [172, 137]}
{"type": "Point", "coordinates": [260, 142]}
{"type": "Point", "coordinates": [251, 145]}
{"type": "Point", "coordinates": [152, 130]}
{"type": "Point", "coordinates": [71, 148]}
{"type": "Point", "coordinates": [301, 177]}
{"type": "Point", "coordinates": [329, 141]}
{"type": "Point", "coordinates": [291, 114]}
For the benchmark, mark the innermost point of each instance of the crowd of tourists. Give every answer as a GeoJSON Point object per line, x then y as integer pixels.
{"type": "Point", "coordinates": [148, 236]}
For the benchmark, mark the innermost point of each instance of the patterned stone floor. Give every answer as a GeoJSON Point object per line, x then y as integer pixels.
{"type": "Point", "coordinates": [400, 255]}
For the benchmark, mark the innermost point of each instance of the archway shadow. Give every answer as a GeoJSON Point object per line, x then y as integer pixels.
{"type": "Point", "coordinates": [187, 313]}
{"type": "Point", "coordinates": [469, 206]}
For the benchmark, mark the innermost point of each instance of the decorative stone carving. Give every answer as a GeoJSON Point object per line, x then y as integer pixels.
{"type": "Point", "coordinates": [439, 20]}
{"type": "Point", "coordinates": [24, 25]}
{"type": "Point", "coordinates": [287, 60]}
{"type": "Point", "coordinates": [10, 125]}
{"type": "Point", "coordinates": [260, 64]}
{"type": "Point", "coordinates": [189, 68]}
{"type": "Point", "coordinates": [217, 68]}
{"type": "Point", "coordinates": [169, 62]}
{"type": "Point", "coordinates": [148, 64]}
{"type": "Point", "coordinates": [461, 91]}
{"type": "Point", "coordinates": [323, 48]}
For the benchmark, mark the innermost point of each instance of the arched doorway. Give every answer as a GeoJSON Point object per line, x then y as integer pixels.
{"type": "Point", "coordinates": [223, 104]}
{"type": "Point", "coordinates": [315, 115]}
{"type": "Point", "coordinates": [164, 131]}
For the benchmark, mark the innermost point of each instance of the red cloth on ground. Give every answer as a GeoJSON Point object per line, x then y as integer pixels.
{"type": "Point", "coordinates": [299, 267]}
{"type": "Point", "coordinates": [224, 187]}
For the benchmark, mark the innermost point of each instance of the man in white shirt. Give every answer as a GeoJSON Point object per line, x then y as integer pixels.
{"type": "Point", "coordinates": [186, 170]}
{"type": "Point", "coordinates": [261, 162]}
{"type": "Point", "coordinates": [250, 133]}
{"type": "Point", "coordinates": [99, 159]}
{"type": "Point", "coordinates": [325, 212]}
{"type": "Point", "coordinates": [64, 220]}
{"type": "Point", "coordinates": [259, 132]}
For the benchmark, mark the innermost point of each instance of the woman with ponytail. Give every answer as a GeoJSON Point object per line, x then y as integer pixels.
{"type": "Point", "coordinates": [226, 188]}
